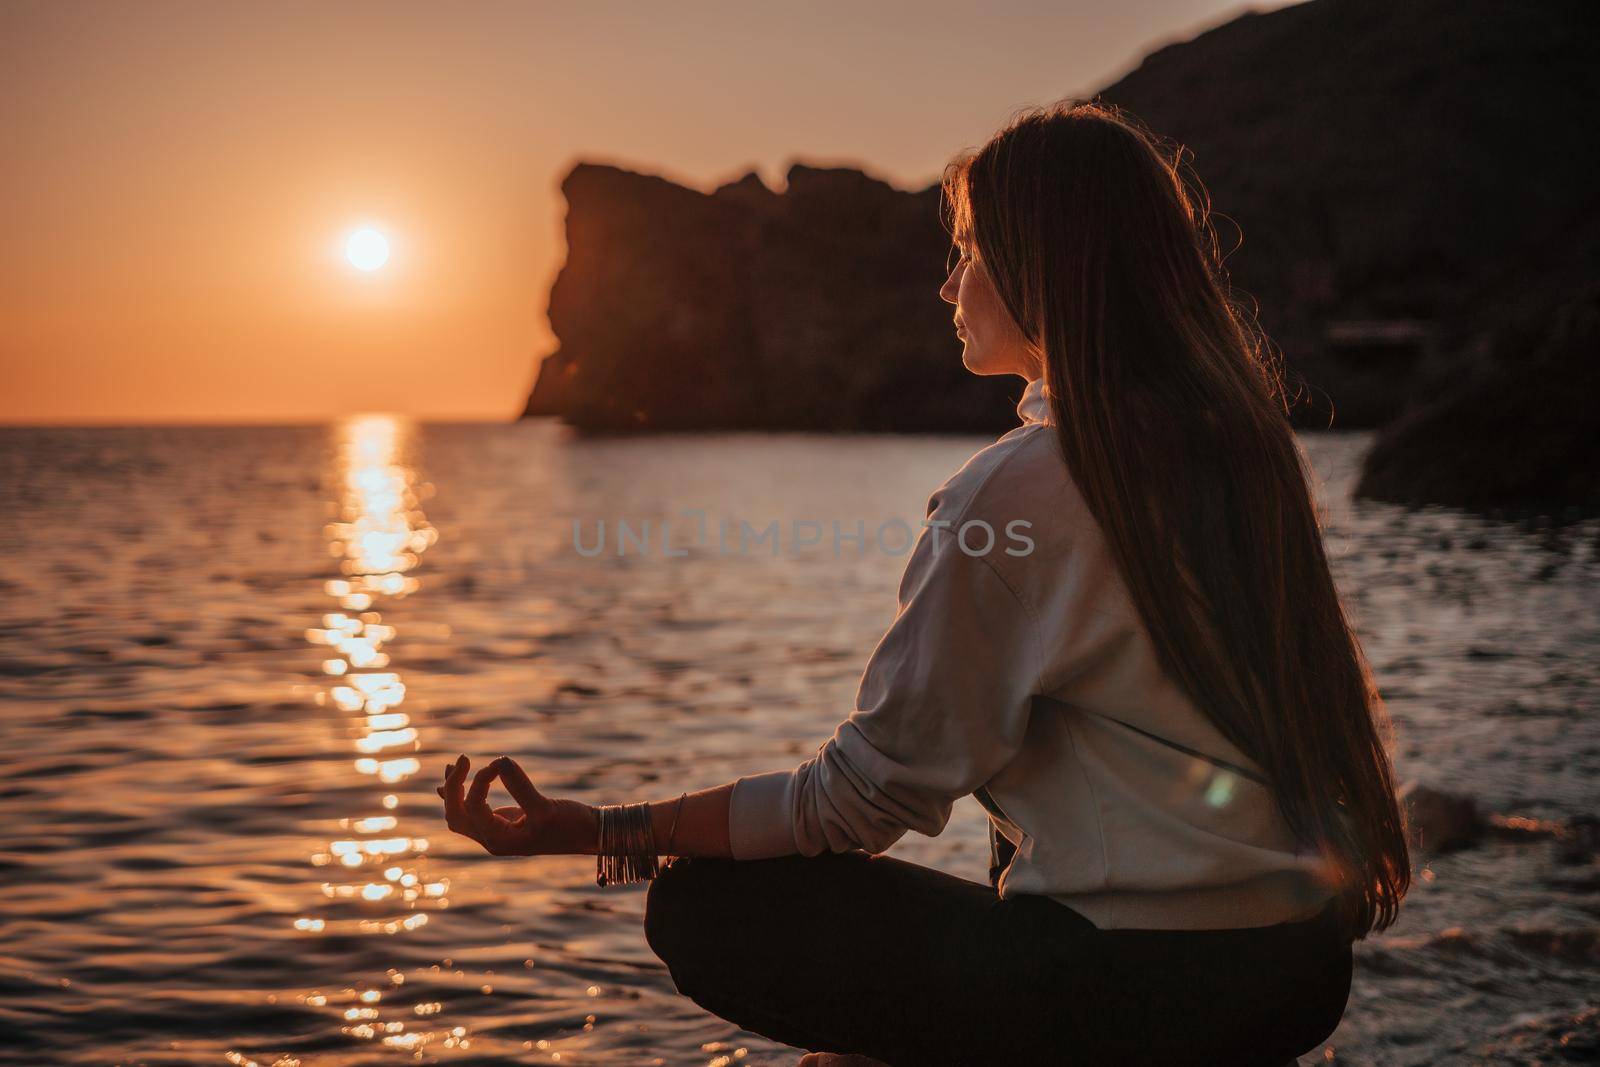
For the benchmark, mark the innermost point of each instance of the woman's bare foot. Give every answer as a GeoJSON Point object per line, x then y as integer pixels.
{"type": "Point", "coordinates": [838, 1059]}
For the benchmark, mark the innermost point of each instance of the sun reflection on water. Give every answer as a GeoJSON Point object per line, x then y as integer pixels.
{"type": "Point", "coordinates": [377, 884]}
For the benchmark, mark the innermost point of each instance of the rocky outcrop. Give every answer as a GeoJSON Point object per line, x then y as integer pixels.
{"type": "Point", "coordinates": [1523, 434]}
{"type": "Point", "coordinates": [1402, 175]}
{"type": "Point", "coordinates": [1439, 821]}
{"type": "Point", "coordinates": [813, 309]}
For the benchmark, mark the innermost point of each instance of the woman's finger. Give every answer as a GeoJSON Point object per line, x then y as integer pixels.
{"type": "Point", "coordinates": [478, 796]}
{"type": "Point", "coordinates": [496, 840]}
{"type": "Point", "coordinates": [513, 815]}
{"type": "Point", "coordinates": [454, 801]}
{"type": "Point", "coordinates": [518, 784]}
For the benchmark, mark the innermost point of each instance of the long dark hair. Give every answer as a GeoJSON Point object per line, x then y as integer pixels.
{"type": "Point", "coordinates": [1172, 415]}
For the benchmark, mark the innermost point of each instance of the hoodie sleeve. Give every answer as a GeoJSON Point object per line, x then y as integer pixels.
{"type": "Point", "coordinates": [942, 707]}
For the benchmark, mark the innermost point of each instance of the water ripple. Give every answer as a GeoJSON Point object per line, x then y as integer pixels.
{"type": "Point", "coordinates": [233, 661]}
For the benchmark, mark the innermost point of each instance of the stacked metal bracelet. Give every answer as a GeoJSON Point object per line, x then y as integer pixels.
{"type": "Point", "coordinates": [627, 850]}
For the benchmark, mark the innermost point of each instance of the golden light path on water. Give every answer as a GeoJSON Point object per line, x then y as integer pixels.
{"type": "Point", "coordinates": [376, 882]}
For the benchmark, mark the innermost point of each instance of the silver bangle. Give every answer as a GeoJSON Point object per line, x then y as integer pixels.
{"type": "Point", "coordinates": [627, 849]}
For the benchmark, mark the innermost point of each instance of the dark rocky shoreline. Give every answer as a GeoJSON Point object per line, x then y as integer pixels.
{"type": "Point", "coordinates": [1523, 434]}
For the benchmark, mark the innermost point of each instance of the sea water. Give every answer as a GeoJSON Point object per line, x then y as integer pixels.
{"type": "Point", "coordinates": [233, 662]}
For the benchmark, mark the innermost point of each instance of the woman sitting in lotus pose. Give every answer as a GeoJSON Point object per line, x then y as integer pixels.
{"type": "Point", "coordinates": [1153, 691]}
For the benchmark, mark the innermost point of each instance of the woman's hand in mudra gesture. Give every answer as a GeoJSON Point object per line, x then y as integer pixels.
{"type": "Point", "coordinates": [536, 825]}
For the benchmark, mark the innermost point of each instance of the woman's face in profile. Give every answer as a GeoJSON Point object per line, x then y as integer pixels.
{"type": "Point", "coordinates": [994, 343]}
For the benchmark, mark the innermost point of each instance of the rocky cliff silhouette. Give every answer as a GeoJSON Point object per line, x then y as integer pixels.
{"type": "Point", "coordinates": [1407, 178]}
{"type": "Point", "coordinates": [817, 309]}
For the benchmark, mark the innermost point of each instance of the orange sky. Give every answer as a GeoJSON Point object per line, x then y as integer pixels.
{"type": "Point", "coordinates": [179, 176]}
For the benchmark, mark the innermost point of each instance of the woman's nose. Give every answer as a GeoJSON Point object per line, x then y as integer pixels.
{"type": "Point", "coordinates": [950, 288]}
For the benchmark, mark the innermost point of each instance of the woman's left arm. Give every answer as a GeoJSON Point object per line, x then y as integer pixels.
{"type": "Point", "coordinates": [553, 826]}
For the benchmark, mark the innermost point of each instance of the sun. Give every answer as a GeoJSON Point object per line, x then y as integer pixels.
{"type": "Point", "coordinates": [367, 249]}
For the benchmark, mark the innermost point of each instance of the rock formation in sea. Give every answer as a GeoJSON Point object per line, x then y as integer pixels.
{"type": "Point", "coordinates": [1523, 433]}
{"type": "Point", "coordinates": [814, 309]}
{"type": "Point", "coordinates": [1402, 175]}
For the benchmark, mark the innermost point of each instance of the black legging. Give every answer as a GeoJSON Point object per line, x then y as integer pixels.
{"type": "Point", "coordinates": [850, 952]}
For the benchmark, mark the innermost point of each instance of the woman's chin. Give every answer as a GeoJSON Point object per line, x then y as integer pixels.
{"type": "Point", "coordinates": [973, 359]}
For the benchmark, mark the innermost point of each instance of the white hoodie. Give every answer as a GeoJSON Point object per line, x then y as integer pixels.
{"type": "Point", "coordinates": [1019, 671]}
